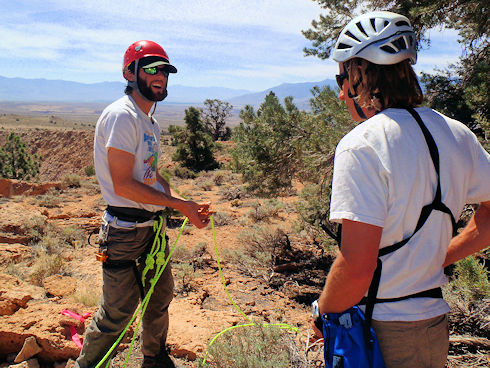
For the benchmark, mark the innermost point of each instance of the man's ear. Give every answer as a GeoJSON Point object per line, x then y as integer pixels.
{"type": "Point", "coordinates": [128, 75]}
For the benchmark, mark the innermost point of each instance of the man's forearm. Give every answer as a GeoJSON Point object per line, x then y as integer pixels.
{"type": "Point", "coordinates": [352, 271]}
{"type": "Point", "coordinates": [474, 237]}
{"type": "Point", "coordinates": [142, 193]}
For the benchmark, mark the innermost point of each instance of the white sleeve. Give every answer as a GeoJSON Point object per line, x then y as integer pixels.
{"type": "Point", "coordinates": [479, 185]}
{"type": "Point", "coordinates": [121, 132]}
{"type": "Point", "coordinates": [359, 187]}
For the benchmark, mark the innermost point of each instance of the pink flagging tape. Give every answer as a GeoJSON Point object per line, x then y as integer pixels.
{"type": "Point", "coordinates": [68, 312]}
{"type": "Point", "coordinates": [74, 335]}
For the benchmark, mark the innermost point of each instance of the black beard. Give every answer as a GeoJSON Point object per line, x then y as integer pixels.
{"type": "Point", "coordinates": [148, 93]}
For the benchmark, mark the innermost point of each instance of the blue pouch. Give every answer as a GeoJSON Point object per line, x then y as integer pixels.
{"type": "Point", "coordinates": [348, 341]}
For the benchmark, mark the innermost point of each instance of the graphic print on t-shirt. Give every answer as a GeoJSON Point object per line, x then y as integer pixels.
{"type": "Point", "coordinates": [151, 159]}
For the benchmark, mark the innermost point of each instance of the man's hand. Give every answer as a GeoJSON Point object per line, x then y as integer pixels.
{"type": "Point", "coordinates": [198, 214]}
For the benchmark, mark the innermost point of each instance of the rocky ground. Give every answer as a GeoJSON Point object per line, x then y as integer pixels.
{"type": "Point", "coordinates": [53, 218]}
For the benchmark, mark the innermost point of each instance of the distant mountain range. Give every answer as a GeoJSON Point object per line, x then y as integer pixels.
{"type": "Point", "coordinates": [44, 90]}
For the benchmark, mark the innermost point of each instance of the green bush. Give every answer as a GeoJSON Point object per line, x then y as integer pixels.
{"type": "Point", "coordinates": [260, 248]}
{"type": "Point", "coordinates": [45, 265]}
{"type": "Point", "coordinates": [71, 181]}
{"type": "Point", "coordinates": [255, 346]}
{"type": "Point", "coordinates": [90, 170]}
{"type": "Point", "coordinates": [196, 149]}
{"type": "Point", "coordinates": [264, 212]}
{"type": "Point", "coordinates": [15, 161]}
{"type": "Point", "coordinates": [184, 173]}
{"type": "Point", "coordinates": [264, 151]}
{"type": "Point", "coordinates": [471, 280]}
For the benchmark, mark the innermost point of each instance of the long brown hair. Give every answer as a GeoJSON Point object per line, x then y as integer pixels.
{"type": "Point", "coordinates": [383, 86]}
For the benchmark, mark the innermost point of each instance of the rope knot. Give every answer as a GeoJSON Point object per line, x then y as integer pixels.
{"type": "Point", "coordinates": [150, 262]}
{"type": "Point", "coordinates": [160, 258]}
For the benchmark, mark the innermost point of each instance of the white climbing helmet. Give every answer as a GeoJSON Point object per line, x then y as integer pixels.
{"type": "Point", "coordinates": [380, 37]}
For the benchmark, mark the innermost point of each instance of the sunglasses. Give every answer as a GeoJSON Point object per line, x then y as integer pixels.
{"type": "Point", "coordinates": [154, 70]}
{"type": "Point", "coordinates": [340, 78]}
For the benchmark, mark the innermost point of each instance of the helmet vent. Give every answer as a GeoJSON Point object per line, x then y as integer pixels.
{"type": "Point", "coordinates": [373, 23]}
{"type": "Point", "coordinates": [402, 23]}
{"type": "Point", "coordinates": [343, 46]}
{"type": "Point", "coordinates": [352, 36]}
{"type": "Point", "coordinates": [400, 43]}
{"type": "Point", "coordinates": [388, 49]}
{"type": "Point", "coordinates": [386, 23]}
{"type": "Point", "coordinates": [361, 28]}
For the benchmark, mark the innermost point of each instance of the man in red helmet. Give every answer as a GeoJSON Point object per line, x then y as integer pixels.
{"type": "Point", "coordinates": [126, 151]}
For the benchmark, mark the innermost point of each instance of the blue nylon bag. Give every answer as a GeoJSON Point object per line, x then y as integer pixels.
{"type": "Point", "coordinates": [348, 343]}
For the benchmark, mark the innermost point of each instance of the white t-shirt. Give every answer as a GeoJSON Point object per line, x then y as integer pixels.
{"type": "Point", "coordinates": [383, 176]}
{"type": "Point", "coordinates": [123, 125]}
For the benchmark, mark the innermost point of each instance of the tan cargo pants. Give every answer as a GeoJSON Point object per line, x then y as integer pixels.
{"type": "Point", "coordinates": [121, 296]}
{"type": "Point", "coordinates": [421, 344]}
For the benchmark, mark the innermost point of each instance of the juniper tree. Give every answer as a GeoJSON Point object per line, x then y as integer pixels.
{"type": "Point", "coordinates": [15, 161]}
{"type": "Point", "coordinates": [214, 115]}
{"type": "Point", "coordinates": [195, 150]}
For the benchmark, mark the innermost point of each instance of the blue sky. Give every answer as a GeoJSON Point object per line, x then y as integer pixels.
{"type": "Point", "coordinates": [253, 45]}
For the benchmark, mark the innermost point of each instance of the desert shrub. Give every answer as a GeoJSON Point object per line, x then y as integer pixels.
{"type": "Point", "coordinates": [220, 177]}
{"type": "Point", "coordinates": [89, 170]}
{"type": "Point", "coordinates": [230, 193]}
{"type": "Point", "coordinates": [185, 275]}
{"type": "Point", "coordinates": [313, 209]}
{"type": "Point", "coordinates": [261, 247]}
{"type": "Point", "coordinates": [86, 294]}
{"type": "Point", "coordinates": [194, 256]}
{"type": "Point", "coordinates": [222, 219]}
{"type": "Point", "coordinates": [166, 174]}
{"type": "Point", "coordinates": [471, 280]}
{"type": "Point", "coordinates": [71, 181]}
{"type": "Point", "coordinates": [50, 199]}
{"type": "Point", "coordinates": [35, 227]}
{"type": "Point", "coordinates": [205, 184]}
{"type": "Point", "coordinates": [264, 212]}
{"type": "Point", "coordinates": [15, 161]}
{"type": "Point", "coordinates": [45, 265]}
{"type": "Point", "coordinates": [15, 269]}
{"type": "Point", "coordinates": [73, 236]}
{"type": "Point", "coordinates": [184, 173]}
{"type": "Point", "coordinates": [255, 346]}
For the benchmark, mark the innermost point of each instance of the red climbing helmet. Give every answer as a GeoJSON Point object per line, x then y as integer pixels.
{"type": "Point", "coordinates": [144, 48]}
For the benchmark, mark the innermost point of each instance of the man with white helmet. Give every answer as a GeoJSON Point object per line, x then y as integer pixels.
{"type": "Point", "coordinates": [126, 152]}
{"type": "Point", "coordinates": [401, 180]}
